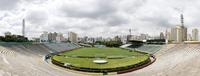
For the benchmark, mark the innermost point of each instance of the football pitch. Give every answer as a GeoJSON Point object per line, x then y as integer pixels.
{"type": "Point", "coordinates": [115, 57]}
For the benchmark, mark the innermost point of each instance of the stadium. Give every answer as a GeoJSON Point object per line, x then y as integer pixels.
{"type": "Point", "coordinates": [99, 38]}
{"type": "Point", "coordinates": [32, 59]}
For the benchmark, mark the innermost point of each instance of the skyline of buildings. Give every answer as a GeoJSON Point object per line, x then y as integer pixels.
{"type": "Point", "coordinates": [180, 33]}
{"type": "Point", "coordinates": [51, 37]}
{"type": "Point", "coordinates": [176, 34]}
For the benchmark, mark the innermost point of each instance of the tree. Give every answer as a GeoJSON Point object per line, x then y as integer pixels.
{"type": "Point", "coordinates": [13, 38]}
{"type": "Point", "coordinates": [109, 43]}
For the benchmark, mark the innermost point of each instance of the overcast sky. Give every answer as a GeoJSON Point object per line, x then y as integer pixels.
{"type": "Point", "coordinates": [97, 17]}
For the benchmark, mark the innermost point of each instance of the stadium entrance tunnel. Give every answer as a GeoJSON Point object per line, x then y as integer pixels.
{"type": "Point", "coordinates": [117, 60]}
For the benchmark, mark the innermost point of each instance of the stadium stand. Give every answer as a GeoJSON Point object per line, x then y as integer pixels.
{"type": "Point", "coordinates": [61, 46]}
{"type": "Point", "coordinates": [6, 51]}
{"type": "Point", "coordinates": [173, 60]}
{"type": "Point", "coordinates": [148, 48]}
{"type": "Point", "coordinates": [20, 59]}
{"type": "Point", "coordinates": [27, 60]}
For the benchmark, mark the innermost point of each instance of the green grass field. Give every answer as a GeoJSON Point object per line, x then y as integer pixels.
{"type": "Point", "coordinates": [116, 57]}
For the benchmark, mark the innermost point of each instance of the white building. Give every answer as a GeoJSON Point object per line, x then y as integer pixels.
{"type": "Point", "coordinates": [195, 35]}
{"type": "Point", "coordinates": [189, 37]}
{"type": "Point", "coordinates": [44, 37]}
{"type": "Point", "coordinates": [167, 35]}
{"type": "Point", "coordinates": [143, 36]}
{"type": "Point", "coordinates": [178, 34]}
{"type": "Point", "coordinates": [59, 38]}
{"type": "Point", "coordinates": [162, 36]}
{"type": "Point", "coordinates": [52, 37]}
{"type": "Point", "coordinates": [72, 37]}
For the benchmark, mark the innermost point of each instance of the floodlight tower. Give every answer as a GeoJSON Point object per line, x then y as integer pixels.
{"type": "Point", "coordinates": [182, 20]}
{"type": "Point", "coordinates": [23, 27]}
{"type": "Point", "coordinates": [130, 32]}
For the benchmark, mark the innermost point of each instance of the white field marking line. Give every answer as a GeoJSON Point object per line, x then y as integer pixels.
{"type": "Point", "coordinates": [61, 69]}
{"type": "Point", "coordinates": [5, 60]}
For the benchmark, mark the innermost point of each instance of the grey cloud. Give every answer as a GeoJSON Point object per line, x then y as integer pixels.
{"type": "Point", "coordinates": [116, 20]}
{"type": "Point", "coordinates": [3, 16]}
{"type": "Point", "coordinates": [37, 17]}
{"type": "Point", "coordinates": [65, 26]}
{"type": "Point", "coordinates": [36, 1]}
{"type": "Point", "coordinates": [8, 4]}
{"type": "Point", "coordinates": [101, 8]}
{"type": "Point", "coordinates": [104, 11]}
{"type": "Point", "coordinates": [131, 6]}
{"type": "Point", "coordinates": [99, 15]}
{"type": "Point", "coordinates": [58, 26]}
{"type": "Point", "coordinates": [159, 21]}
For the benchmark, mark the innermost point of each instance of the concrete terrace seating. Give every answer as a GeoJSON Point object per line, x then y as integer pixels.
{"type": "Point", "coordinates": [28, 61]}
{"type": "Point", "coordinates": [6, 51]}
{"type": "Point", "coordinates": [150, 48]}
{"type": "Point", "coordinates": [61, 46]}
{"type": "Point", "coordinates": [173, 60]}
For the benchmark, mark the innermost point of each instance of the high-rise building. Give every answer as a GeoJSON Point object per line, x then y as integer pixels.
{"type": "Point", "coordinates": [59, 38]}
{"type": "Point", "coordinates": [184, 29]}
{"type": "Point", "coordinates": [195, 34]}
{"type": "Point", "coordinates": [143, 37]}
{"type": "Point", "coordinates": [54, 35]}
{"type": "Point", "coordinates": [162, 35]}
{"type": "Point", "coordinates": [189, 37]}
{"type": "Point", "coordinates": [167, 35]}
{"type": "Point", "coordinates": [173, 34]}
{"type": "Point", "coordinates": [44, 37]}
{"type": "Point", "coordinates": [184, 33]}
{"type": "Point", "coordinates": [50, 37]}
{"type": "Point", "coordinates": [179, 33]}
{"type": "Point", "coordinates": [73, 37]}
